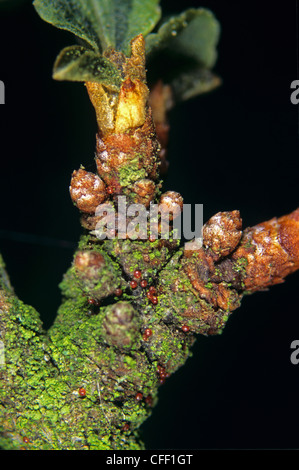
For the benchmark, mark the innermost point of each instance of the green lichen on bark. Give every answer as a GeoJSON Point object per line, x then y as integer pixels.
{"type": "Point", "coordinates": [85, 348]}
{"type": "Point", "coordinates": [101, 348]}
{"type": "Point", "coordinates": [42, 375]}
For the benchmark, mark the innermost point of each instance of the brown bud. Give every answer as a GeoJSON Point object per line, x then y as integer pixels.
{"type": "Point", "coordinates": [121, 324]}
{"type": "Point", "coordinates": [171, 202]}
{"type": "Point", "coordinates": [89, 262]}
{"type": "Point", "coordinates": [222, 233]}
{"type": "Point", "coordinates": [145, 190]}
{"type": "Point", "coordinates": [87, 190]}
{"type": "Point", "coordinates": [95, 273]}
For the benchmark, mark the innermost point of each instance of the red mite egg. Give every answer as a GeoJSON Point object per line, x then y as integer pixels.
{"type": "Point", "coordinates": [147, 333]}
{"type": "Point", "coordinates": [138, 396]}
{"type": "Point", "coordinates": [143, 283]}
{"type": "Point", "coordinates": [118, 292]}
{"type": "Point", "coordinates": [149, 400]}
{"type": "Point", "coordinates": [126, 427]}
{"type": "Point", "coordinates": [110, 189]}
{"type": "Point", "coordinates": [137, 274]}
{"type": "Point", "coordinates": [163, 375]}
{"type": "Point", "coordinates": [151, 295]}
{"type": "Point", "coordinates": [26, 440]}
{"type": "Point", "coordinates": [93, 302]}
{"type": "Point", "coordinates": [82, 392]}
{"type": "Point", "coordinates": [185, 328]}
{"type": "Point", "coordinates": [133, 284]}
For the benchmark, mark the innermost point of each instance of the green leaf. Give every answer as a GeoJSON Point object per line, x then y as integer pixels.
{"type": "Point", "coordinates": [183, 51]}
{"type": "Point", "coordinates": [102, 23]}
{"type": "Point", "coordinates": [77, 63]}
{"type": "Point", "coordinates": [194, 83]}
{"type": "Point", "coordinates": [193, 34]}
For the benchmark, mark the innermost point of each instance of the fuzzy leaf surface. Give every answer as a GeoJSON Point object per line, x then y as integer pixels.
{"type": "Point", "coordinates": [76, 63]}
{"type": "Point", "coordinates": [193, 34]}
{"type": "Point", "coordinates": [102, 23]}
{"type": "Point", "coordinates": [183, 51]}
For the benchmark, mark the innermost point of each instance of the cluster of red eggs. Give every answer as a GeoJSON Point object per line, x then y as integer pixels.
{"type": "Point", "coordinates": [163, 375]}
{"type": "Point", "coordinates": [147, 333]}
{"type": "Point", "coordinates": [151, 293]}
{"type": "Point", "coordinates": [148, 399]}
{"type": "Point", "coordinates": [94, 302]}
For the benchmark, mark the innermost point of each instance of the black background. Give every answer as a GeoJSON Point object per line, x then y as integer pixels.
{"type": "Point", "coordinates": [236, 148]}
